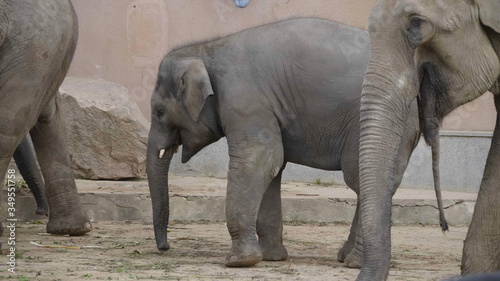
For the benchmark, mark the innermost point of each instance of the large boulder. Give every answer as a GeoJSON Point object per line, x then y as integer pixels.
{"type": "Point", "coordinates": [107, 133]}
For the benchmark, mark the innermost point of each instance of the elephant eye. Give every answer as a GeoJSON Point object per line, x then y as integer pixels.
{"type": "Point", "coordinates": [160, 113]}
{"type": "Point", "coordinates": [414, 32]}
{"type": "Point", "coordinates": [415, 22]}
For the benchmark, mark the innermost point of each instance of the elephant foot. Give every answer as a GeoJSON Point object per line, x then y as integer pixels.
{"type": "Point", "coordinates": [354, 259]}
{"type": "Point", "coordinates": [73, 225]}
{"type": "Point", "coordinates": [163, 247]}
{"type": "Point", "coordinates": [42, 211]}
{"type": "Point", "coordinates": [273, 251]}
{"type": "Point", "coordinates": [344, 251]}
{"type": "Point", "coordinates": [244, 254]}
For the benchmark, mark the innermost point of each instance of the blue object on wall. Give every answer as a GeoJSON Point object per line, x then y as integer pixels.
{"type": "Point", "coordinates": [241, 3]}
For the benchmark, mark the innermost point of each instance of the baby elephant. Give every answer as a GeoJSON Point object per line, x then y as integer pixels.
{"type": "Point", "coordinates": [283, 92]}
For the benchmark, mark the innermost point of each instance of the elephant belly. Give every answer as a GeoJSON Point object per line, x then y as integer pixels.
{"type": "Point", "coordinates": [319, 159]}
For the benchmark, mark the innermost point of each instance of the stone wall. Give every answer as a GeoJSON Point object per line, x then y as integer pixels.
{"type": "Point", "coordinates": [463, 157]}
{"type": "Point", "coordinates": [123, 41]}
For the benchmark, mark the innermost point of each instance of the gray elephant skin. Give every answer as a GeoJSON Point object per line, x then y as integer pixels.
{"type": "Point", "coordinates": [492, 276]}
{"type": "Point", "coordinates": [37, 42]}
{"type": "Point", "coordinates": [27, 164]}
{"type": "Point", "coordinates": [442, 54]}
{"type": "Point", "coordinates": [283, 92]}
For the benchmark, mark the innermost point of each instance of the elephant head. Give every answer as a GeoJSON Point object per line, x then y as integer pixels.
{"type": "Point", "coordinates": [182, 113]}
{"type": "Point", "coordinates": [439, 52]}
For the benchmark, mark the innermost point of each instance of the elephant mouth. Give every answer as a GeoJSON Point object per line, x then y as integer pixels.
{"type": "Point", "coordinates": [419, 99]}
{"type": "Point", "coordinates": [432, 101]}
{"type": "Point", "coordinates": [175, 147]}
{"type": "Point", "coordinates": [172, 151]}
{"type": "Point", "coordinates": [162, 152]}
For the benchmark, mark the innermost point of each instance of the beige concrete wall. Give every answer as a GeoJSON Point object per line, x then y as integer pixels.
{"type": "Point", "coordinates": [123, 41]}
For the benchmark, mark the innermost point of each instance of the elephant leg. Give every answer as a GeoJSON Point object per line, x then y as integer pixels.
{"type": "Point", "coordinates": [256, 157]}
{"type": "Point", "coordinates": [4, 164]}
{"type": "Point", "coordinates": [270, 222]}
{"type": "Point", "coordinates": [11, 128]}
{"type": "Point", "coordinates": [481, 251]}
{"type": "Point", "coordinates": [351, 252]}
{"type": "Point", "coordinates": [348, 246]}
{"type": "Point", "coordinates": [27, 164]}
{"type": "Point", "coordinates": [354, 258]}
{"type": "Point", "coordinates": [9, 139]}
{"type": "Point", "coordinates": [66, 214]}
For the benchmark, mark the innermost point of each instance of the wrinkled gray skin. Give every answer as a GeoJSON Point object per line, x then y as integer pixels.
{"type": "Point", "coordinates": [37, 42]}
{"type": "Point", "coordinates": [495, 276]}
{"type": "Point", "coordinates": [443, 54]}
{"type": "Point", "coordinates": [284, 92]}
{"type": "Point", "coordinates": [27, 164]}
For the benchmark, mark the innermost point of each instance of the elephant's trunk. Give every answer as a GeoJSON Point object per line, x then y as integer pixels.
{"type": "Point", "coordinates": [158, 164]}
{"type": "Point", "coordinates": [385, 106]}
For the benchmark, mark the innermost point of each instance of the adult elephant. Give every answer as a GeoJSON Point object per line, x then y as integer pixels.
{"type": "Point", "coordinates": [443, 54]}
{"type": "Point", "coordinates": [283, 92]}
{"type": "Point", "coordinates": [37, 42]}
{"type": "Point", "coordinates": [27, 164]}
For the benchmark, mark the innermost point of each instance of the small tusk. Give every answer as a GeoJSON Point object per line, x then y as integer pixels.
{"type": "Point", "coordinates": [162, 152]}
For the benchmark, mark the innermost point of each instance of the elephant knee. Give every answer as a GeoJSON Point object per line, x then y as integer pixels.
{"type": "Point", "coordinates": [264, 164]}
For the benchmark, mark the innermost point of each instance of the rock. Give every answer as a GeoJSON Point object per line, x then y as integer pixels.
{"type": "Point", "coordinates": [107, 133]}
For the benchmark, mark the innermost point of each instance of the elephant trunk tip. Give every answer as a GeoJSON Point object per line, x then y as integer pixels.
{"type": "Point", "coordinates": [163, 246]}
{"type": "Point", "coordinates": [161, 240]}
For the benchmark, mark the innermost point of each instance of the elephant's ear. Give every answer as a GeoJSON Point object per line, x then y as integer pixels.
{"type": "Point", "coordinates": [193, 85]}
{"type": "Point", "coordinates": [489, 13]}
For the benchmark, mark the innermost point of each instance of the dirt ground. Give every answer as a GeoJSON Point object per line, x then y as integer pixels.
{"type": "Point", "coordinates": [197, 252]}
